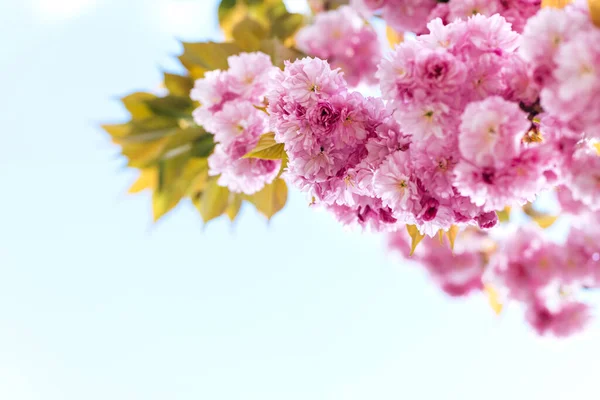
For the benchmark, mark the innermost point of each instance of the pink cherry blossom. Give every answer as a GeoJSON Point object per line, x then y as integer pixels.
{"type": "Point", "coordinates": [343, 38]}
{"type": "Point", "coordinates": [569, 319]}
{"type": "Point", "coordinates": [242, 175]}
{"type": "Point", "coordinates": [585, 180]}
{"type": "Point", "coordinates": [491, 132]}
{"type": "Point", "coordinates": [392, 182]}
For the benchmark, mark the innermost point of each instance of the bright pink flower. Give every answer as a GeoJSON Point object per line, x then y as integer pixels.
{"type": "Point", "coordinates": [439, 71]}
{"type": "Point", "coordinates": [544, 34]}
{"type": "Point", "coordinates": [344, 39]}
{"type": "Point", "coordinates": [251, 71]}
{"type": "Point", "coordinates": [492, 34]}
{"type": "Point", "coordinates": [408, 15]}
{"type": "Point", "coordinates": [235, 118]}
{"type": "Point", "coordinates": [491, 132]}
{"type": "Point", "coordinates": [525, 264]}
{"type": "Point", "coordinates": [463, 9]}
{"type": "Point", "coordinates": [576, 86]}
{"type": "Point", "coordinates": [569, 319]}
{"type": "Point", "coordinates": [368, 214]}
{"type": "Point", "coordinates": [393, 184]}
{"type": "Point", "coordinates": [585, 181]}
{"type": "Point", "coordinates": [425, 121]}
{"type": "Point", "coordinates": [458, 272]}
{"type": "Point", "coordinates": [242, 175]}
{"type": "Point", "coordinates": [305, 80]}
{"type": "Point", "coordinates": [495, 188]}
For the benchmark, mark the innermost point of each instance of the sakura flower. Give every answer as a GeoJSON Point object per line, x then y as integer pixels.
{"type": "Point", "coordinates": [233, 119]}
{"type": "Point", "coordinates": [392, 182]}
{"type": "Point", "coordinates": [241, 175]}
{"type": "Point", "coordinates": [569, 319]}
{"type": "Point", "coordinates": [343, 37]}
{"type": "Point", "coordinates": [491, 131]}
{"type": "Point", "coordinates": [525, 265]}
{"type": "Point", "coordinates": [585, 170]}
{"type": "Point", "coordinates": [307, 79]}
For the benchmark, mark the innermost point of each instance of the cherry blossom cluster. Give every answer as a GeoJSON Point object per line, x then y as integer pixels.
{"type": "Point", "coordinates": [230, 103]}
{"type": "Point", "coordinates": [457, 272]}
{"type": "Point", "coordinates": [474, 116]}
{"type": "Point", "coordinates": [525, 125]}
{"type": "Point", "coordinates": [346, 41]}
{"type": "Point", "coordinates": [546, 277]}
{"type": "Point", "coordinates": [461, 92]}
{"type": "Point", "coordinates": [333, 139]}
{"type": "Point", "coordinates": [563, 56]}
{"type": "Point", "coordinates": [413, 15]}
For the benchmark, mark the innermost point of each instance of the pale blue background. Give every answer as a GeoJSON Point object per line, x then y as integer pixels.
{"type": "Point", "coordinates": [98, 304]}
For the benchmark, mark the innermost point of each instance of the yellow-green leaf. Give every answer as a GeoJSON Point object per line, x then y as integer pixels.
{"type": "Point", "coordinates": [147, 179]}
{"type": "Point", "coordinates": [213, 202]}
{"type": "Point", "coordinates": [248, 34]}
{"type": "Point", "coordinates": [171, 106]}
{"type": "Point", "coordinates": [207, 56]}
{"type": "Point", "coordinates": [287, 25]}
{"type": "Point", "coordinates": [135, 103]}
{"type": "Point", "coordinates": [178, 85]}
{"type": "Point", "coordinates": [452, 233]}
{"type": "Point", "coordinates": [271, 199]}
{"type": "Point", "coordinates": [118, 130]}
{"type": "Point", "coordinates": [267, 148]}
{"type": "Point", "coordinates": [278, 52]}
{"type": "Point", "coordinates": [544, 220]}
{"type": "Point", "coordinates": [415, 237]}
{"type": "Point", "coordinates": [595, 11]}
{"type": "Point", "coordinates": [504, 215]}
{"type": "Point", "coordinates": [140, 155]}
{"type": "Point", "coordinates": [162, 203]}
{"type": "Point", "coordinates": [393, 37]}
{"type": "Point", "coordinates": [235, 203]}
{"type": "Point", "coordinates": [203, 146]}
{"type": "Point", "coordinates": [493, 299]}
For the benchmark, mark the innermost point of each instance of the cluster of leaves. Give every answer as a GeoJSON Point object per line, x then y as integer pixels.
{"type": "Point", "coordinates": [161, 139]}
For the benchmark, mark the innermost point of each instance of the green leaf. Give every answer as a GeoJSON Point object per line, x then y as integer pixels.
{"type": "Point", "coordinates": [248, 34]}
{"type": "Point", "coordinates": [504, 215]}
{"type": "Point", "coordinates": [208, 56]}
{"type": "Point", "coordinates": [203, 146]}
{"type": "Point", "coordinates": [171, 106]}
{"type": "Point", "coordinates": [267, 148]}
{"type": "Point", "coordinates": [147, 148]}
{"type": "Point", "coordinates": [213, 201]}
{"type": "Point", "coordinates": [118, 130]}
{"type": "Point", "coordinates": [271, 199]}
{"type": "Point", "coordinates": [286, 25]}
{"type": "Point", "coordinates": [178, 85]}
{"type": "Point", "coordinates": [415, 237]}
{"type": "Point", "coordinates": [136, 104]}
{"type": "Point", "coordinates": [148, 179]}
{"type": "Point", "coordinates": [235, 204]}
{"type": "Point", "coordinates": [279, 53]}
{"type": "Point", "coordinates": [169, 190]}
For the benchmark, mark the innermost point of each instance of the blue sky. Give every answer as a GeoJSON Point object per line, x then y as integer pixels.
{"type": "Point", "coordinates": [97, 303]}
